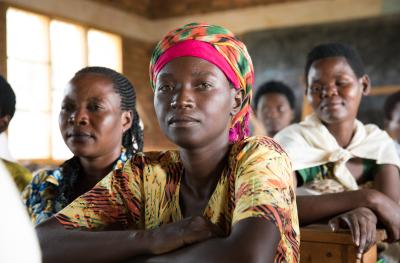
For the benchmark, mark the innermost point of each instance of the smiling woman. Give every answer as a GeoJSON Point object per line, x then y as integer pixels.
{"type": "Point", "coordinates": [222, 195]}
{"type": "Point", "coordinates": [349, 171]}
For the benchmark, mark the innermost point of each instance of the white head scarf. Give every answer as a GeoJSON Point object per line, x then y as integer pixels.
{"type": "Point", "coordinates": [310, 144]}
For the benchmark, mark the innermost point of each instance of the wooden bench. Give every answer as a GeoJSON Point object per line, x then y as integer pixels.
{"type": "Point", "coordinates": [320, 244]}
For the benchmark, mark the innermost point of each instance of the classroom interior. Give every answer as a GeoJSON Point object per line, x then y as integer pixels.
{"type": "Point", "coordinates": [60, 37]}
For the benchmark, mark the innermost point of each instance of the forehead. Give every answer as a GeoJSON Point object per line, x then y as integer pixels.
{"type": "Point", "coordinates": [273, 98]}
{"type": "Point", "coordinates": [330, 66]}
{"type": "Point", "coordinates": [190, 66]}
{"type": "Point", "coordinates": [90, 85]}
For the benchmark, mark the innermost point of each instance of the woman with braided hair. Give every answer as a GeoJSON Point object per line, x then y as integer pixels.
{"type": "Point", "coordinates": [100, 125]}
{"type": "Point", "coordinates": [221, 197]}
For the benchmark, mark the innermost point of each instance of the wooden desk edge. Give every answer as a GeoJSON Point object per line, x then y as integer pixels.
{"type": "Point", "coordinates": [323, 234]}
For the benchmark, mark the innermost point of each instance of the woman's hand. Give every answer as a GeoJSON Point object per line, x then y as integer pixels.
{"type": "Point", "coordinates": [187, 231]}
{"type": "Point", "coordinates": [362, 224]}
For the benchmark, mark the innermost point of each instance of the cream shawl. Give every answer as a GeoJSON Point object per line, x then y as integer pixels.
{"type": "Point", "coordinates": [310, 144]}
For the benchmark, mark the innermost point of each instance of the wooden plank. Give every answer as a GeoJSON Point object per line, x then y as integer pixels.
{"type": "Point", "coordinates": [323, 233]}
{"type": "Point", "coordinates": [320, 244]}
{"type": "Point", "coordinates": [311, 252]}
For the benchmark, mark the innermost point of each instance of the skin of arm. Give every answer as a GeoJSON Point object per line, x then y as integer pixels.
{"type": "Point", "coordinates": [316, 208]}
{"type": "Point", "coordinates": [252, 240]}
{"type": "Point", "coordinates": [61, 245]}
{"type": "Point", "coordinates": [387, 181]}
{"type": "Point", "coordinates": [354, 209]}
{"type": "Point", "coordinates": [351, 208]}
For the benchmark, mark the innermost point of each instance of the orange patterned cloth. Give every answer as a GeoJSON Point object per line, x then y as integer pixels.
{"type": "Point", "coordinates": [144, 194]}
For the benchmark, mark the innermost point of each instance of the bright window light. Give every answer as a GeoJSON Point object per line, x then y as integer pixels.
{"type": "Point", "coordinates": [68, 55]}
{"type": "Point", "coordinates": [28, 68]}
{"type": "Point", "coordinates": [105, 50]}
{"type": "Point", "coordinates": [42, 56]}
{"type": "Point", "coordinates": [27, 36]}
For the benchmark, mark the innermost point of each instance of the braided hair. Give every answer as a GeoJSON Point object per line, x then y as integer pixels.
{"type": "Point", "coordinates": [132, 139]}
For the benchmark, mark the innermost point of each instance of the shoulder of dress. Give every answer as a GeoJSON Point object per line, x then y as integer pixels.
{"type": "Point", "coordinates": [258, 142]}
{"type": "Point", "coordinates": [47, 176]}
{"type": "Point", "coordinates": [152, 158]}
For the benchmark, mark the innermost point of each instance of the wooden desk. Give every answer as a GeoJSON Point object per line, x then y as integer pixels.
{"type": "Point", "coordinates": [320, 245]}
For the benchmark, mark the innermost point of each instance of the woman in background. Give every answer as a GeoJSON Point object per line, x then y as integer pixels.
{"type": "Point", "coordinates": [274, 105]}
{"type": "Point", "coordinates": [100, 125]}
{"type": "Point", "coordinates": [349, 170]}
{"type": "Point", "coordinates": [391, 110]}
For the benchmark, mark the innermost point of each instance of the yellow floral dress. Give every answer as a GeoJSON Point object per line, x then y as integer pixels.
{"type": "Point", "coordinates": [256, 182]}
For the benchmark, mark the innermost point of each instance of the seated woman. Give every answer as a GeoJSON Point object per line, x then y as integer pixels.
{"type": "Point", "coordinates": [354, 166]}
{"type": "Point", "coordinates": [221, 197]}
{"type": "Point", "coordinates": [100, 125]}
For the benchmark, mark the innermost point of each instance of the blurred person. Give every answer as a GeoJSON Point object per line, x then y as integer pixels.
{"type": "Point", "coordinates": [100, 125]}
{"type": "Point", "coordinates": [392, 118]}
{"type": "Point", "coordinates": [20, 174]}
{"type": "Point", "coordinates": [274, 104]}
{"type": "Point", "coordinates": [350, 170]}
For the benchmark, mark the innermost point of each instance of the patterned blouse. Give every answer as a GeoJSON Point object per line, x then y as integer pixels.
{"type": "Point", "coordinates": [44, 195]}
{"type": "Point", "coordinates": [256, 182]}
{"type": "Point", "coordinates": [321, 178]}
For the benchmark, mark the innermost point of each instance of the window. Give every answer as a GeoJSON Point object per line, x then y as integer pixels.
{"type": "Point", "coordinates": [42, 56]}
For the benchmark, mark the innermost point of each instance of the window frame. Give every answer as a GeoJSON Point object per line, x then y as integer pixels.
{"type": "Point", "coordinates": [4, 7]}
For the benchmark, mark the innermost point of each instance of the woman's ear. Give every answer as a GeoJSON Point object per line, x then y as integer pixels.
{"type": "Point", "coordinates": [237, 101]}
{"type": "Point", "coordinates": [126, 119]}
{"type": "Point", "coordinates": [366, 84]}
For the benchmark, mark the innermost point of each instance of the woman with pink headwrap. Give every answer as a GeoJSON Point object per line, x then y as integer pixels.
{"type": "Point", "coordinates": [221, 196]}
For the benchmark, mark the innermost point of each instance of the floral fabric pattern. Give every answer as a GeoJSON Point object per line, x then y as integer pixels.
{"type": "Point", "coordinates": [42, 195]}
{"type": "Point", "coordinates": [256, 182]}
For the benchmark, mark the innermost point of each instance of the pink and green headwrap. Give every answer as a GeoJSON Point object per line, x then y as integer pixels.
{"type": "Point", "coordinates": [218, 46]}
